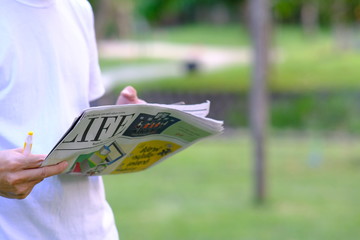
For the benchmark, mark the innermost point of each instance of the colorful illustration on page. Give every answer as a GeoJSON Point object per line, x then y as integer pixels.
{"type": "Point", "coordinates": [146, 124]}
{"type": "Point", "coordinates": [96, 162]}
{"type": "Point", "coordinates": [145, 155]}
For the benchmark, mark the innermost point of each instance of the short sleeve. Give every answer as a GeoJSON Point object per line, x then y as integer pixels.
{"type": "Point", "coordinates": [96, 86]}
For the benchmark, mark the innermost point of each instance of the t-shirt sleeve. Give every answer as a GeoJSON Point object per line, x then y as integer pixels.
{"type": "Point", "coordinates": [96, 86]}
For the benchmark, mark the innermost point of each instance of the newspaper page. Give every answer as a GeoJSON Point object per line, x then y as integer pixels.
{"type": "Point", "coordinates": [130, 138]}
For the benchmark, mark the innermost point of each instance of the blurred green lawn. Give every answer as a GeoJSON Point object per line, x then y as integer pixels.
{"type": "Point", "coordinates": [205, 192]}
{"type": "Point", "coordinates": [305, 63]}
{"type": "Point", "coordinates": [225, 35]}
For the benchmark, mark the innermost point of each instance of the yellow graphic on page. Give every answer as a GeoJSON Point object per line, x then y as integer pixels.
{"type": "Point", "coordinates": [145, 155]}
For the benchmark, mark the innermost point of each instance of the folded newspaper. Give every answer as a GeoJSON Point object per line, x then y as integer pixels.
{"type": "Point", "coordinates": [129, 138]}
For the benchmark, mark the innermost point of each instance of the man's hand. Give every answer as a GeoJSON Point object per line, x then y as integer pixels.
{"type": "Point", "coordinates": [128, 96]}
{"type": "Point", "coordinates": [19, 173]}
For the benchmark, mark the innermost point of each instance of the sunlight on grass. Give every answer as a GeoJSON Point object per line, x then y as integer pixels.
{"type": "Point", "coordinates": [231, 35]}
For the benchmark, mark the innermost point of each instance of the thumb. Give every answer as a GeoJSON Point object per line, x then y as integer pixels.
{"type": "Point", "coordinates": [128, 96]}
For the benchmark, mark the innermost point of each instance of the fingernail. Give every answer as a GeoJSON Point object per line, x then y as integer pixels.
{"type": "Point", "coordinates": [126, 92]}
{"type": "Point", "coordinates": [65, 163]}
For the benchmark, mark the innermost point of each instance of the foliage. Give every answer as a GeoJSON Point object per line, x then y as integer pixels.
{"type": "Point", "coordinates": [285, 11]}
{"type": "Point", "coordinates": [288, 11]}
{"type": "Point", "coordinates": [308, 111]}
{"type": "Point", "coordinates": [156, 10]}
{"type": "Point", "coordinates": [160, 12]}
{"type": "Point", "coordinates": [322, 112]}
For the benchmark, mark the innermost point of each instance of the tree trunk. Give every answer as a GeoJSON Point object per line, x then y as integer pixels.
{"type": "Point", "coordinates": [342, 33]}
{"type": "Point", "coordinates": [124, 18]}
{"type": "Point", "coordinates": [244, 13]}
{"type": "Point", "coordinates": [260, 29]}
{"type": "Point", "coordinates": [310, 17]}
{"type": "Point", "coordinates": [102, 15]}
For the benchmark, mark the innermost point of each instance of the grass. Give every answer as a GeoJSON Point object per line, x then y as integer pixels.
{"type": "Point", "coordinates": [231, 35]}
{"type": "Point", "coordinates": [205, 192]}
{"type": "Point", "coordinates": [109, 63]}
{"type": "Point", "coordinates": [314, 64]}
{"type": "Point", "coordinates": [304, 63]}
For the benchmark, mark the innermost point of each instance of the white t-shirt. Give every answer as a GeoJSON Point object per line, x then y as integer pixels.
{"type": "Point", "coordinates": [48, 73]}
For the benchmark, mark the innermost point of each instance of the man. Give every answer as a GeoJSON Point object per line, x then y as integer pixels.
{"type": "Point", "coordinates": [48, 74]}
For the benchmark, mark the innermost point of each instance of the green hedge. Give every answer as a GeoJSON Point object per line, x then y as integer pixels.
{"type": "Point", "coordinates": [310, 111]}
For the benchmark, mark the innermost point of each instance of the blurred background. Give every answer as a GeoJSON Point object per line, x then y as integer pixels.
{"type": "Point", "coordinates": [284, 77]}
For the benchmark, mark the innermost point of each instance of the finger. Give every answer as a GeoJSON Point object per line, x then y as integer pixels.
{"type": "Point", "coordinates": [29, 161]}
{"type": "Point", "coordinates": [37, 174]}
{"type": "Point", "coordinates": [140, 101]}
{"type": "Point", "coordinates": [127, 96]}
{"type": "Point", "coordinates": [33, 161]}
{"type": "Point", "coordinates": [129, 92]}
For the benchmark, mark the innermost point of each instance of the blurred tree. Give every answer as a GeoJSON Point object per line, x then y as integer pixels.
{"type": "Point", "coordinates": [344, 18]}
{"type": "Point", "coordinates": [286, 11]}
{"type": "Point", "coordinates": [124, 17]}
{"type": "Point", "coordinates": [304, 12]}
{"type": "Point", "coordinates": [260, 31]}
{"type": "Point", "coordinates": [113, 18]}
{"type": "Point", "coordinates": [102, 11]}
{"type": "Point", "coordinates": [185, 11]}
{"type": "Point", "coordinates": [310, 16]}
{"type": "Point", "coordinates": [339, 19]}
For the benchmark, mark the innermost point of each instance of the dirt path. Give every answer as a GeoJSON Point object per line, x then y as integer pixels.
{"type": "Point", "coordinates": [209, 58]}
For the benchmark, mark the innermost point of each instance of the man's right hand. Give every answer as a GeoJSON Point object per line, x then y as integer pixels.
{"type": "Point", "coordinates": [19, 173]}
